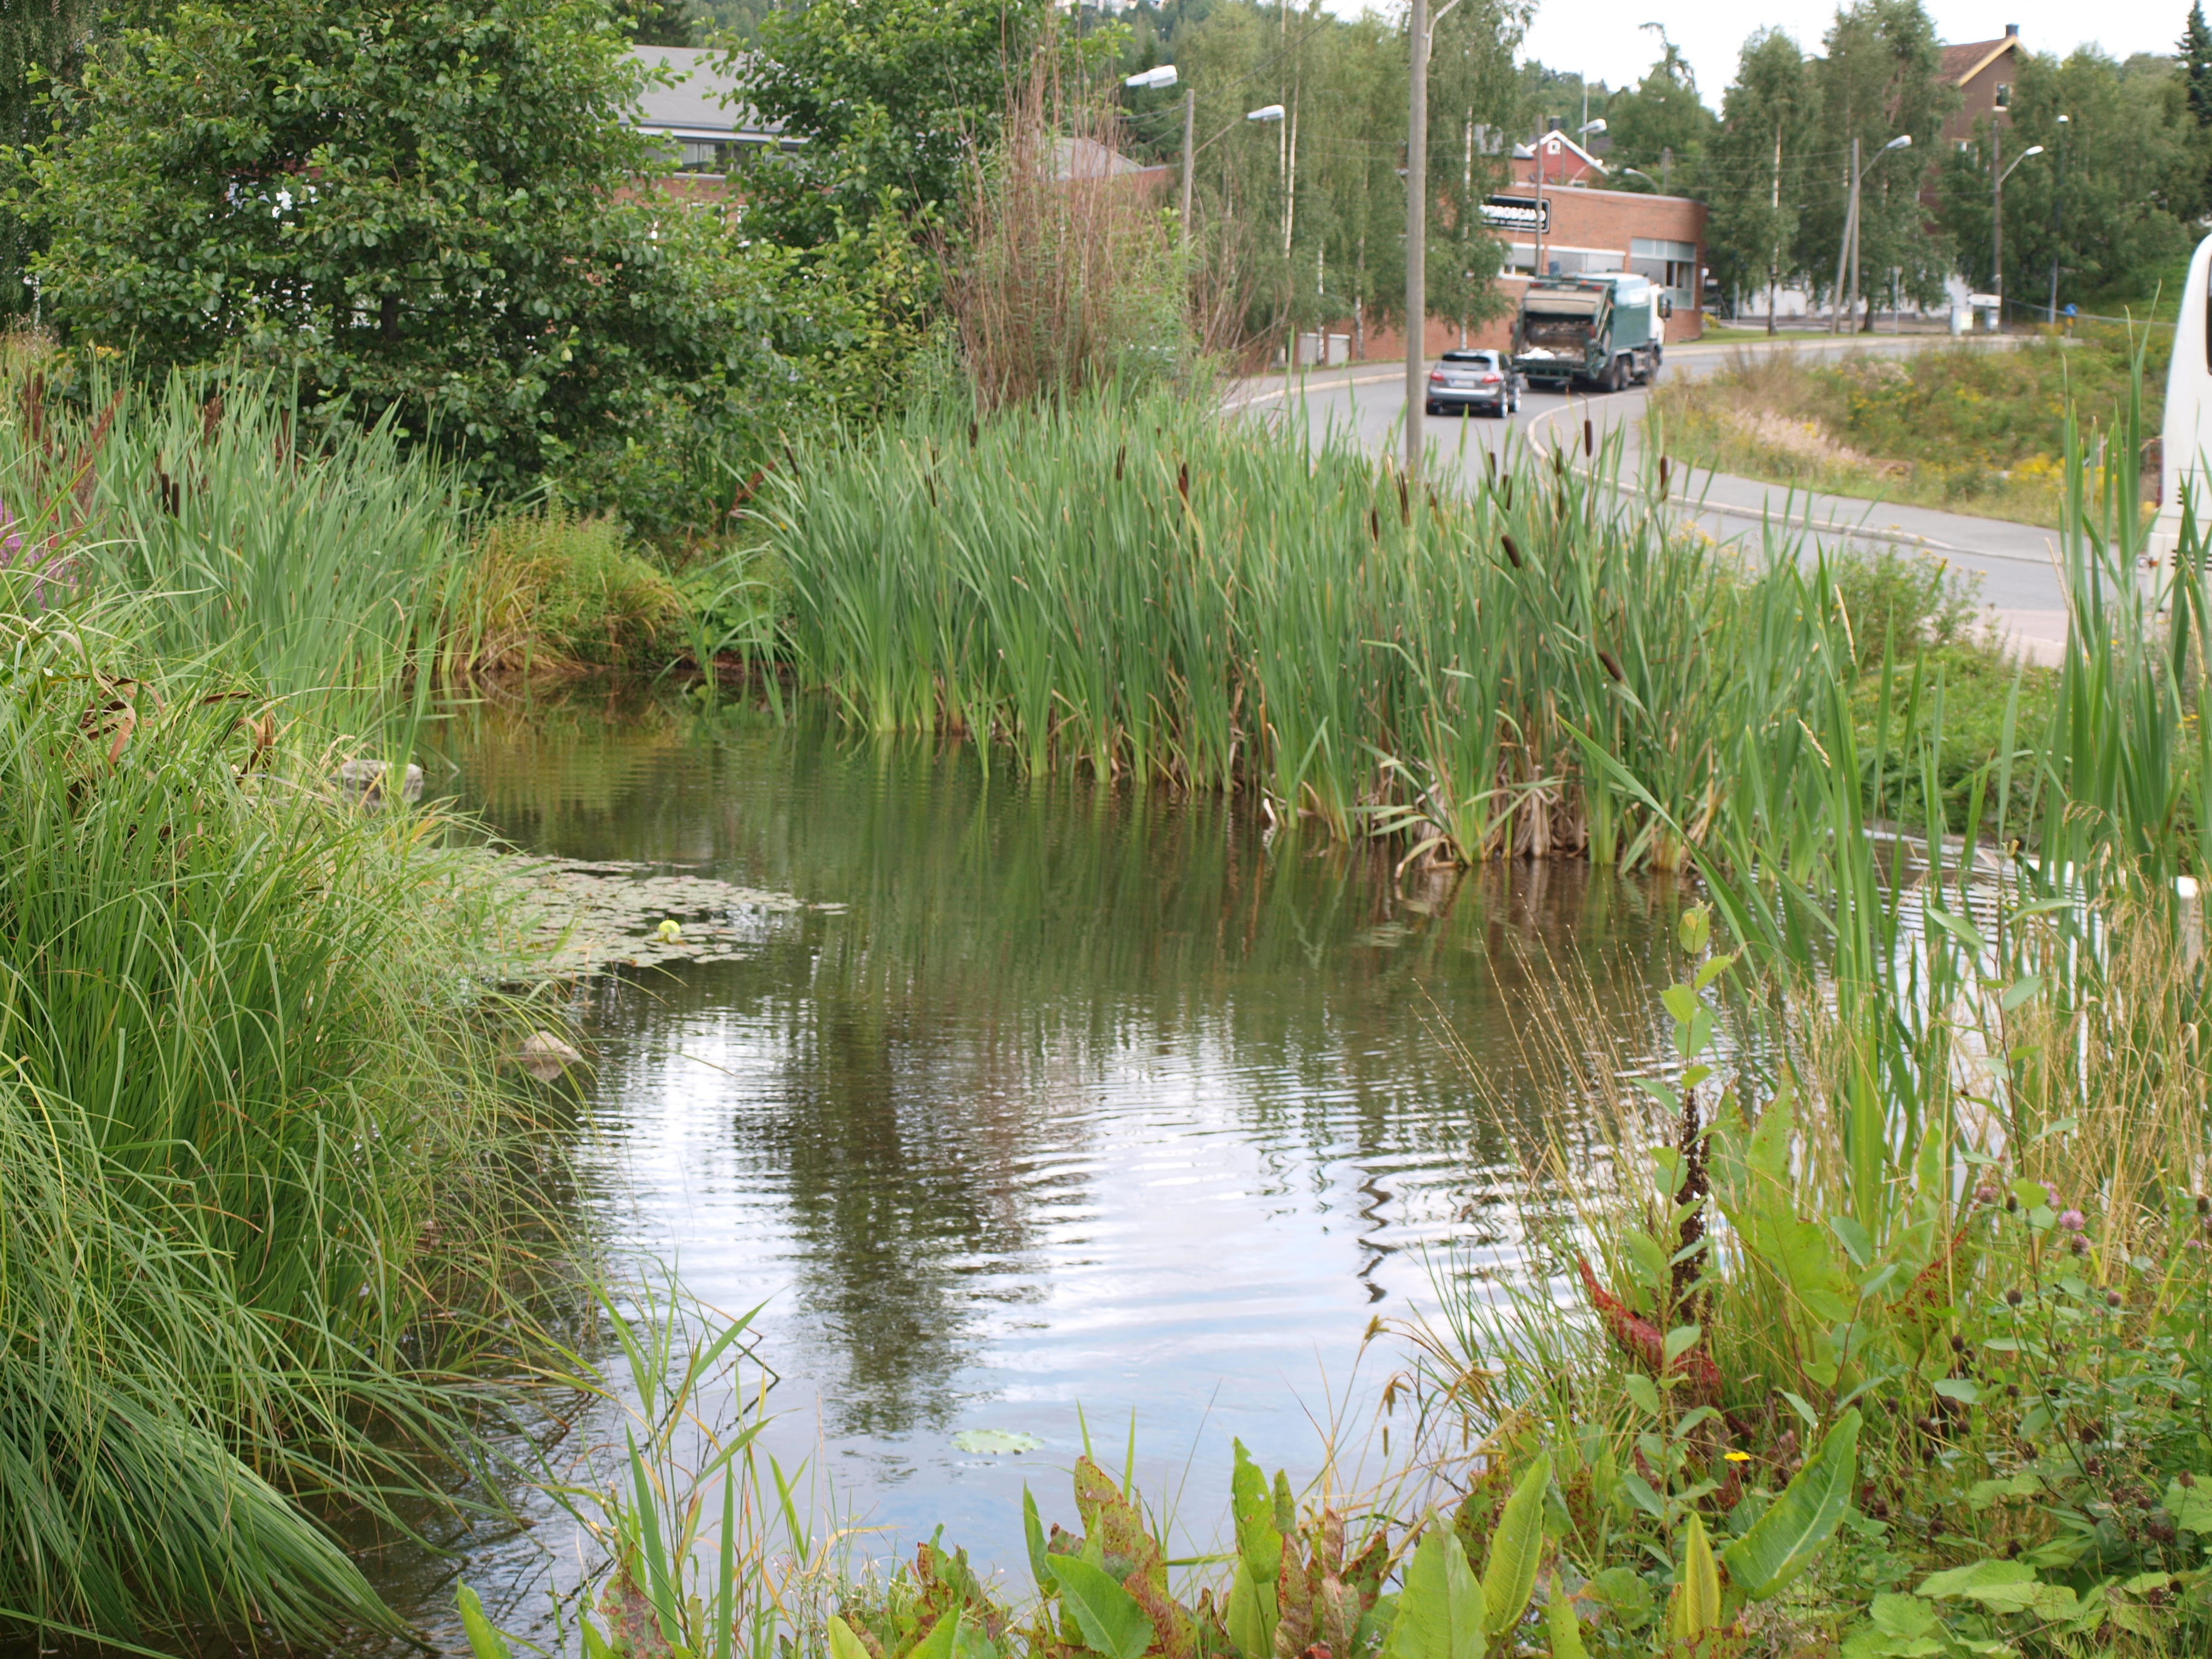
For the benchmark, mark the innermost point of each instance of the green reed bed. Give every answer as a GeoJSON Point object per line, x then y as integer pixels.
{"type": "Point", "coordinates": [1147, 591]}
{"type": "Point", "coordinates": [269, 1231]}
{"type": "Point", "coordinates": [1915, 1216]}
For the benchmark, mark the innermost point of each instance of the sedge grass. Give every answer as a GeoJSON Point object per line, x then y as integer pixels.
{"type": "Point", "coordinates": [268, 1232]}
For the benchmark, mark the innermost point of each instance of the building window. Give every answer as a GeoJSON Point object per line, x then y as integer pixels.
{"type": "Point", "coordinates": [2004, 94]}
{"type": "Point", "coordinates": [1669, 264]}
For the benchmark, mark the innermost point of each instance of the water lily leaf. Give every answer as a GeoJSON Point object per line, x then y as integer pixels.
{"type": "Point", "coordinates": [996, 1441]}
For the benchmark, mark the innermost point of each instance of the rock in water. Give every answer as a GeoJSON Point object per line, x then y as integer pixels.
{"type": "Point", "coordinates": [366, 780]}
{"type": "Point", "coordinates": [545, 1056]}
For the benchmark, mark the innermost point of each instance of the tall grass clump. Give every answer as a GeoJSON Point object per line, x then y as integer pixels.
{"type": "Point", "coordinates": [1138, 585]}
{"type": "Point", "coordinates": [267, 1231]}
{"type": "Point", "coordinates": [548, 591]}
{"type": "Point", "coordinates": [320, 550]}
{"type": "Point", "coordinates": [1070, 278]}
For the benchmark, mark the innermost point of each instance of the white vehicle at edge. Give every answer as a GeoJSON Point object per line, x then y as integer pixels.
{"type": "Point", "coordinates": [2185, 443]}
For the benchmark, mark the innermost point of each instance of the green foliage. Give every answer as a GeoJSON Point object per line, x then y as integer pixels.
{"type": "Point", "coordinates": [419, 210]}
{"type": "Point", "coordinates": [1756, 185]}
{"type": "Point", "coordinates": [2113, 196]}
{"type": "Point", "coordinates": [890, 95]}
{"type": "Point", "coordinates": [1660, 125]}
{"type": "Point", "coordinates": [254, 1233]}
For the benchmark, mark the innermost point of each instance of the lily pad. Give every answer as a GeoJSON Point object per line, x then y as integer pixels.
{"type": "Point", "coordinates": [996, 1440]}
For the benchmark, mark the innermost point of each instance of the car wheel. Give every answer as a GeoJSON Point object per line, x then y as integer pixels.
{"type": "Point", "coordinates": [1436, 409]}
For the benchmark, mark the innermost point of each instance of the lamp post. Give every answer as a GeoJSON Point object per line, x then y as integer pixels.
{"type": "Point", "coordinates": [1996, 213]}
{"type": "Point", "coordinates": [1847, 256]}
{"type": "Point", "coordinates": [1159, 77]}
{"type": "Point", "coordinates": [1420, 28]}
{"type": "Point", "coordinates": [1268, 115]}
{"type": "Point", "coordinates": [2058, 218]}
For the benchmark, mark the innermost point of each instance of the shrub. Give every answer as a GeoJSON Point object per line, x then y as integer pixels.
{"type": "Point", "coordinates": [260, 1226]}
{"type": "Point", "coordinates": [553, 591]}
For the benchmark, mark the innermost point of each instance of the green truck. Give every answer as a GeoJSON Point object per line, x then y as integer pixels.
{"type": "Point", "coordinates": [1604, 329]}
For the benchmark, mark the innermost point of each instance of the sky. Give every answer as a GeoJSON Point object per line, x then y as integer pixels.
{"type": "Point", "coordinates": [1604, 41]}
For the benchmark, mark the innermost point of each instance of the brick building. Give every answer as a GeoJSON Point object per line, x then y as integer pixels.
{"type": "Point", "coordinates": [1985, 72]}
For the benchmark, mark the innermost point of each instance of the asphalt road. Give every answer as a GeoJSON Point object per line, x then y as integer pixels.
{"type": "Point", "coordinates": [2020, 582]}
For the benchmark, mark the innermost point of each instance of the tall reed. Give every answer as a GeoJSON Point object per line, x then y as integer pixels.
{"type": "Point", "coordinates": [1139, 587]}
{"type": "Point", "coordinates": [320, 549]}
{"type": "Point", "coordinates": [1928, 1150]}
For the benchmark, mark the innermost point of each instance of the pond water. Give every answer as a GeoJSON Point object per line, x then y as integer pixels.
{"type": "Point", "coordinates": [1088, 1105]}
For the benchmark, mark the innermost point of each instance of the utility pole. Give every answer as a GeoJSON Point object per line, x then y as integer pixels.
{"type": "Point", "coordinates": [2058, 218]}
{"type": "Point", "coordinates": [1774, 268]}
{"type": "Point", "coordinates": [1417, 202]}
{"type": "Point", "coordinates": [1536, 259]}
{"type": "Point", "coordinates": [1844, 251]}
{"type": "Point", "coordinates": [1996, 215]}
{"type": "Point", "coordinates": [1189, 122]}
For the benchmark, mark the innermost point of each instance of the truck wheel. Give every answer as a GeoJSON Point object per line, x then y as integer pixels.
{"type": "Point", "coordinates": [1616, 376]}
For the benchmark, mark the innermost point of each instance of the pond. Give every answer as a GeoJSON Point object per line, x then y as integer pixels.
{"type": "Point", "coordinates": [1058, 1105]}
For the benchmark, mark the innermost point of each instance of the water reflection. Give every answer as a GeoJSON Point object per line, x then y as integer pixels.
{"type": "Point", "coordinates": [1087, 1098]}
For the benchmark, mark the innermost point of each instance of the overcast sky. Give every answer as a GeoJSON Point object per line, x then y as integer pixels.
{"type": "Point", "coordinates": [1602, 38]}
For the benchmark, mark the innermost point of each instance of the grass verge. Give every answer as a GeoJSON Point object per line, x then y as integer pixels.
{"type": "Point", "coordinates": [1962, 427]}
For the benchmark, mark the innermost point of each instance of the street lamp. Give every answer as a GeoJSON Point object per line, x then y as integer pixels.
{"type": "Point", "coordinates": [2059, 217]}
{"type": "Point", "coordinates": [1849, 252]}
{"type": "Point", "coordinates": [1997, 212]}
{"type": "Point", "coordinates": [1162, 76]}
{"type": "Point", "coordinates": [1419, 27]}
{"type": "Point", "coordinates": [1269, 112]}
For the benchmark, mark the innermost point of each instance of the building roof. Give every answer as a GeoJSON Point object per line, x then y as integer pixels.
{"type": "Point", "coordinates": [1528, 152]}
{"type": "Point", "coordinates": [1086, 158]}
{"type": "Point", "coordinates": [703, 102]}
{"type": "Point", "coordinates": [1963, 62]}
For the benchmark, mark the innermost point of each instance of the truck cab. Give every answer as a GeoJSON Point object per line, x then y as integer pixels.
{"type": "Point", "coordinates": [1603, 328]}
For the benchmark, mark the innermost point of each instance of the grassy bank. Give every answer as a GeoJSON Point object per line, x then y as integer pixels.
{"type": "Point", "coordinates": [278, 1231]}
{"type": "Point", "coordinates": [1967, 429]}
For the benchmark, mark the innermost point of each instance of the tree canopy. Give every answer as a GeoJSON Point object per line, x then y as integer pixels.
{"type": "Point", "coordinates": [420, 206]}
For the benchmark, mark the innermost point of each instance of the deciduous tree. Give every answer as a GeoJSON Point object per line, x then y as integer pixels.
{"type": "Point", "coordinates": [428, 207]}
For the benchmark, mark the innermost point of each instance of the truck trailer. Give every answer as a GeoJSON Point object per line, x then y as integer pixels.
{"type": "Point", "coordinates": [1604, 328]}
